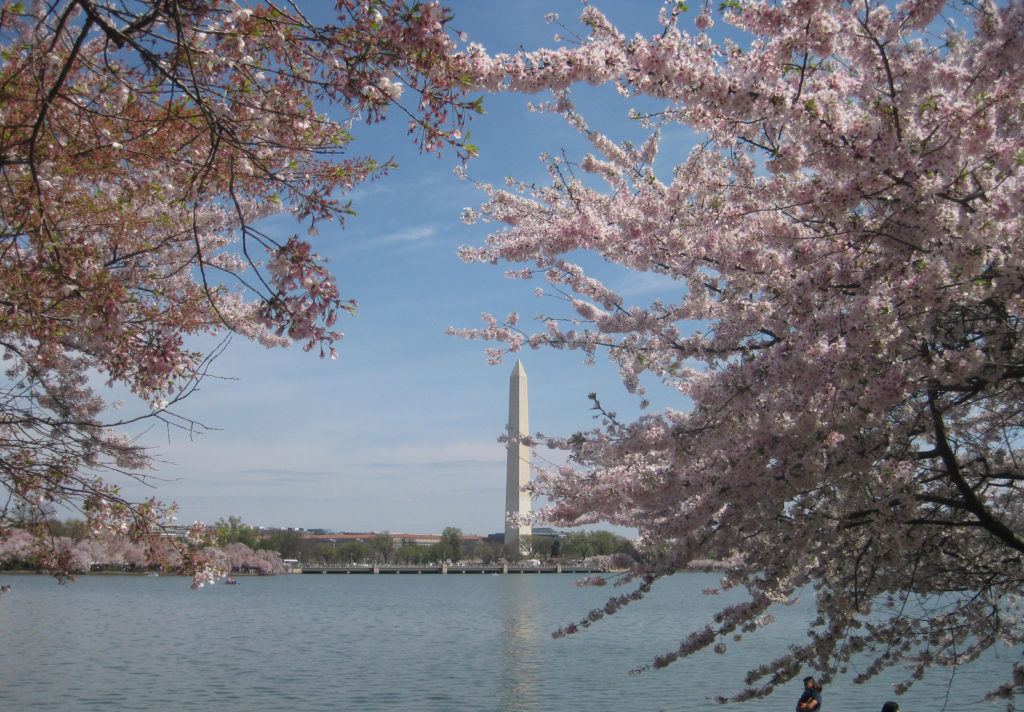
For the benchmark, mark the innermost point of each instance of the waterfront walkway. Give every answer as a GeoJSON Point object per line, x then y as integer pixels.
{"type": "Point", "coordinates": [454, 569]}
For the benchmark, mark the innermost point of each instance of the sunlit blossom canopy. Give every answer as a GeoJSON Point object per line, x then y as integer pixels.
{"type": "Point", "coordinates": [844, 333]}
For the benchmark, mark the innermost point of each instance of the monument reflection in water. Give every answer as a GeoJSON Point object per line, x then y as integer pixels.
{"type": "Point", "coordinates": [522, 680]}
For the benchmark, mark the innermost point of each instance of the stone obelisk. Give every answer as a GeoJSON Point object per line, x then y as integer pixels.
{"type": "Point", "coordinates": [517, 473]}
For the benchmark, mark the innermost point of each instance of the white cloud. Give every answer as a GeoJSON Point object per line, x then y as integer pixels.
{"type": "Point", "coordinates": [412, 234]}
{"type": "Point", "coordinates": [648, 283]}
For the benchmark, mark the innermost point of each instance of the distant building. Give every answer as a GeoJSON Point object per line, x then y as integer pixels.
{"type": "Point", "coordinates": [413, 539]}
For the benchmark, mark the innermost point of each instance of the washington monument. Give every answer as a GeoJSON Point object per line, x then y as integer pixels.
{"type": "Point", "coordinates": [517, 471]}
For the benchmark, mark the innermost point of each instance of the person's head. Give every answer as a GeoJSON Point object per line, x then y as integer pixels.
{"type": "Point", "coordinates": [809, 682]}
{"type": "Point", "coordinates": [891, 706]}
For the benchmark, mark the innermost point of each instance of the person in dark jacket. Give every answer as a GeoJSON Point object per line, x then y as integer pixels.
{"type": "Point", "coordinates": [810, 700]}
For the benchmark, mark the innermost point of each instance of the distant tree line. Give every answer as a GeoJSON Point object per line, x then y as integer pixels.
{"type": "Point", "coordinates": [378, 548]}
{"type": "Point", "coordinates": [583, 545]}
{"type": "Point", "coordinates": [452, 547]}
{"type": "Point", "coordinates": [241, 548]}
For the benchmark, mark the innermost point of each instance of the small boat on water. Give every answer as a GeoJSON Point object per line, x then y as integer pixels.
{"type": "Point", "coordinates": [231, 580]}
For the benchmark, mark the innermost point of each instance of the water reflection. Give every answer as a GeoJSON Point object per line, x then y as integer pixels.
{"type": "Point", "coordinates": [397, 643]}
{"type": "Point", "coordinates": [521, 652]}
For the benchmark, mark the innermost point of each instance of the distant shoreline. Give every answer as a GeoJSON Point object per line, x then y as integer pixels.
{"type": "Point", "coordinates": [168, 574]}
{"type": "Point", "coordinates": [44, 572]}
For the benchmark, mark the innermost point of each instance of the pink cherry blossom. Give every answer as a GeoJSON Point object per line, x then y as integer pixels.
{"type": "Point", "coordinates": [140, 146]}
{"type": "Point", "coordinates": [845, 339]}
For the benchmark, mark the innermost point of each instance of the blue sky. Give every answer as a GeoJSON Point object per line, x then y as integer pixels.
{"type": "Point", "coordinates": [400, 433]}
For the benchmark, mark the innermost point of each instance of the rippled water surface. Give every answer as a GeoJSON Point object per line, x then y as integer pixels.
{"type": "Point", "coordinates": [381, 643]}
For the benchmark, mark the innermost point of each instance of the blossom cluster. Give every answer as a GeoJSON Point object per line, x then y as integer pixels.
{"type": "Point", "coordinates": [20, 548]}
{"type": "Point", "coordinates": [140, 147]}
{"type": "Point", "coordinates": [846, 339]}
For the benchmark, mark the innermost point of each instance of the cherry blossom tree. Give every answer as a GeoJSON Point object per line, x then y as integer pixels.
{"type": "Point", "coordinates": [17, 546]}
{"type": "Point", "coordinates": [239, 557]}
{"type": "Point", "coordinates": [841, 322]}
{"type": "Point", "coordinates": [20, 550]}
{"type": "Point", "coordinates": [140, 144]}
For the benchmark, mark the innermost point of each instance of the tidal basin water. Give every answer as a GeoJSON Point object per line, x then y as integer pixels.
{"type": "Point", "coordinates": [422, 643]}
